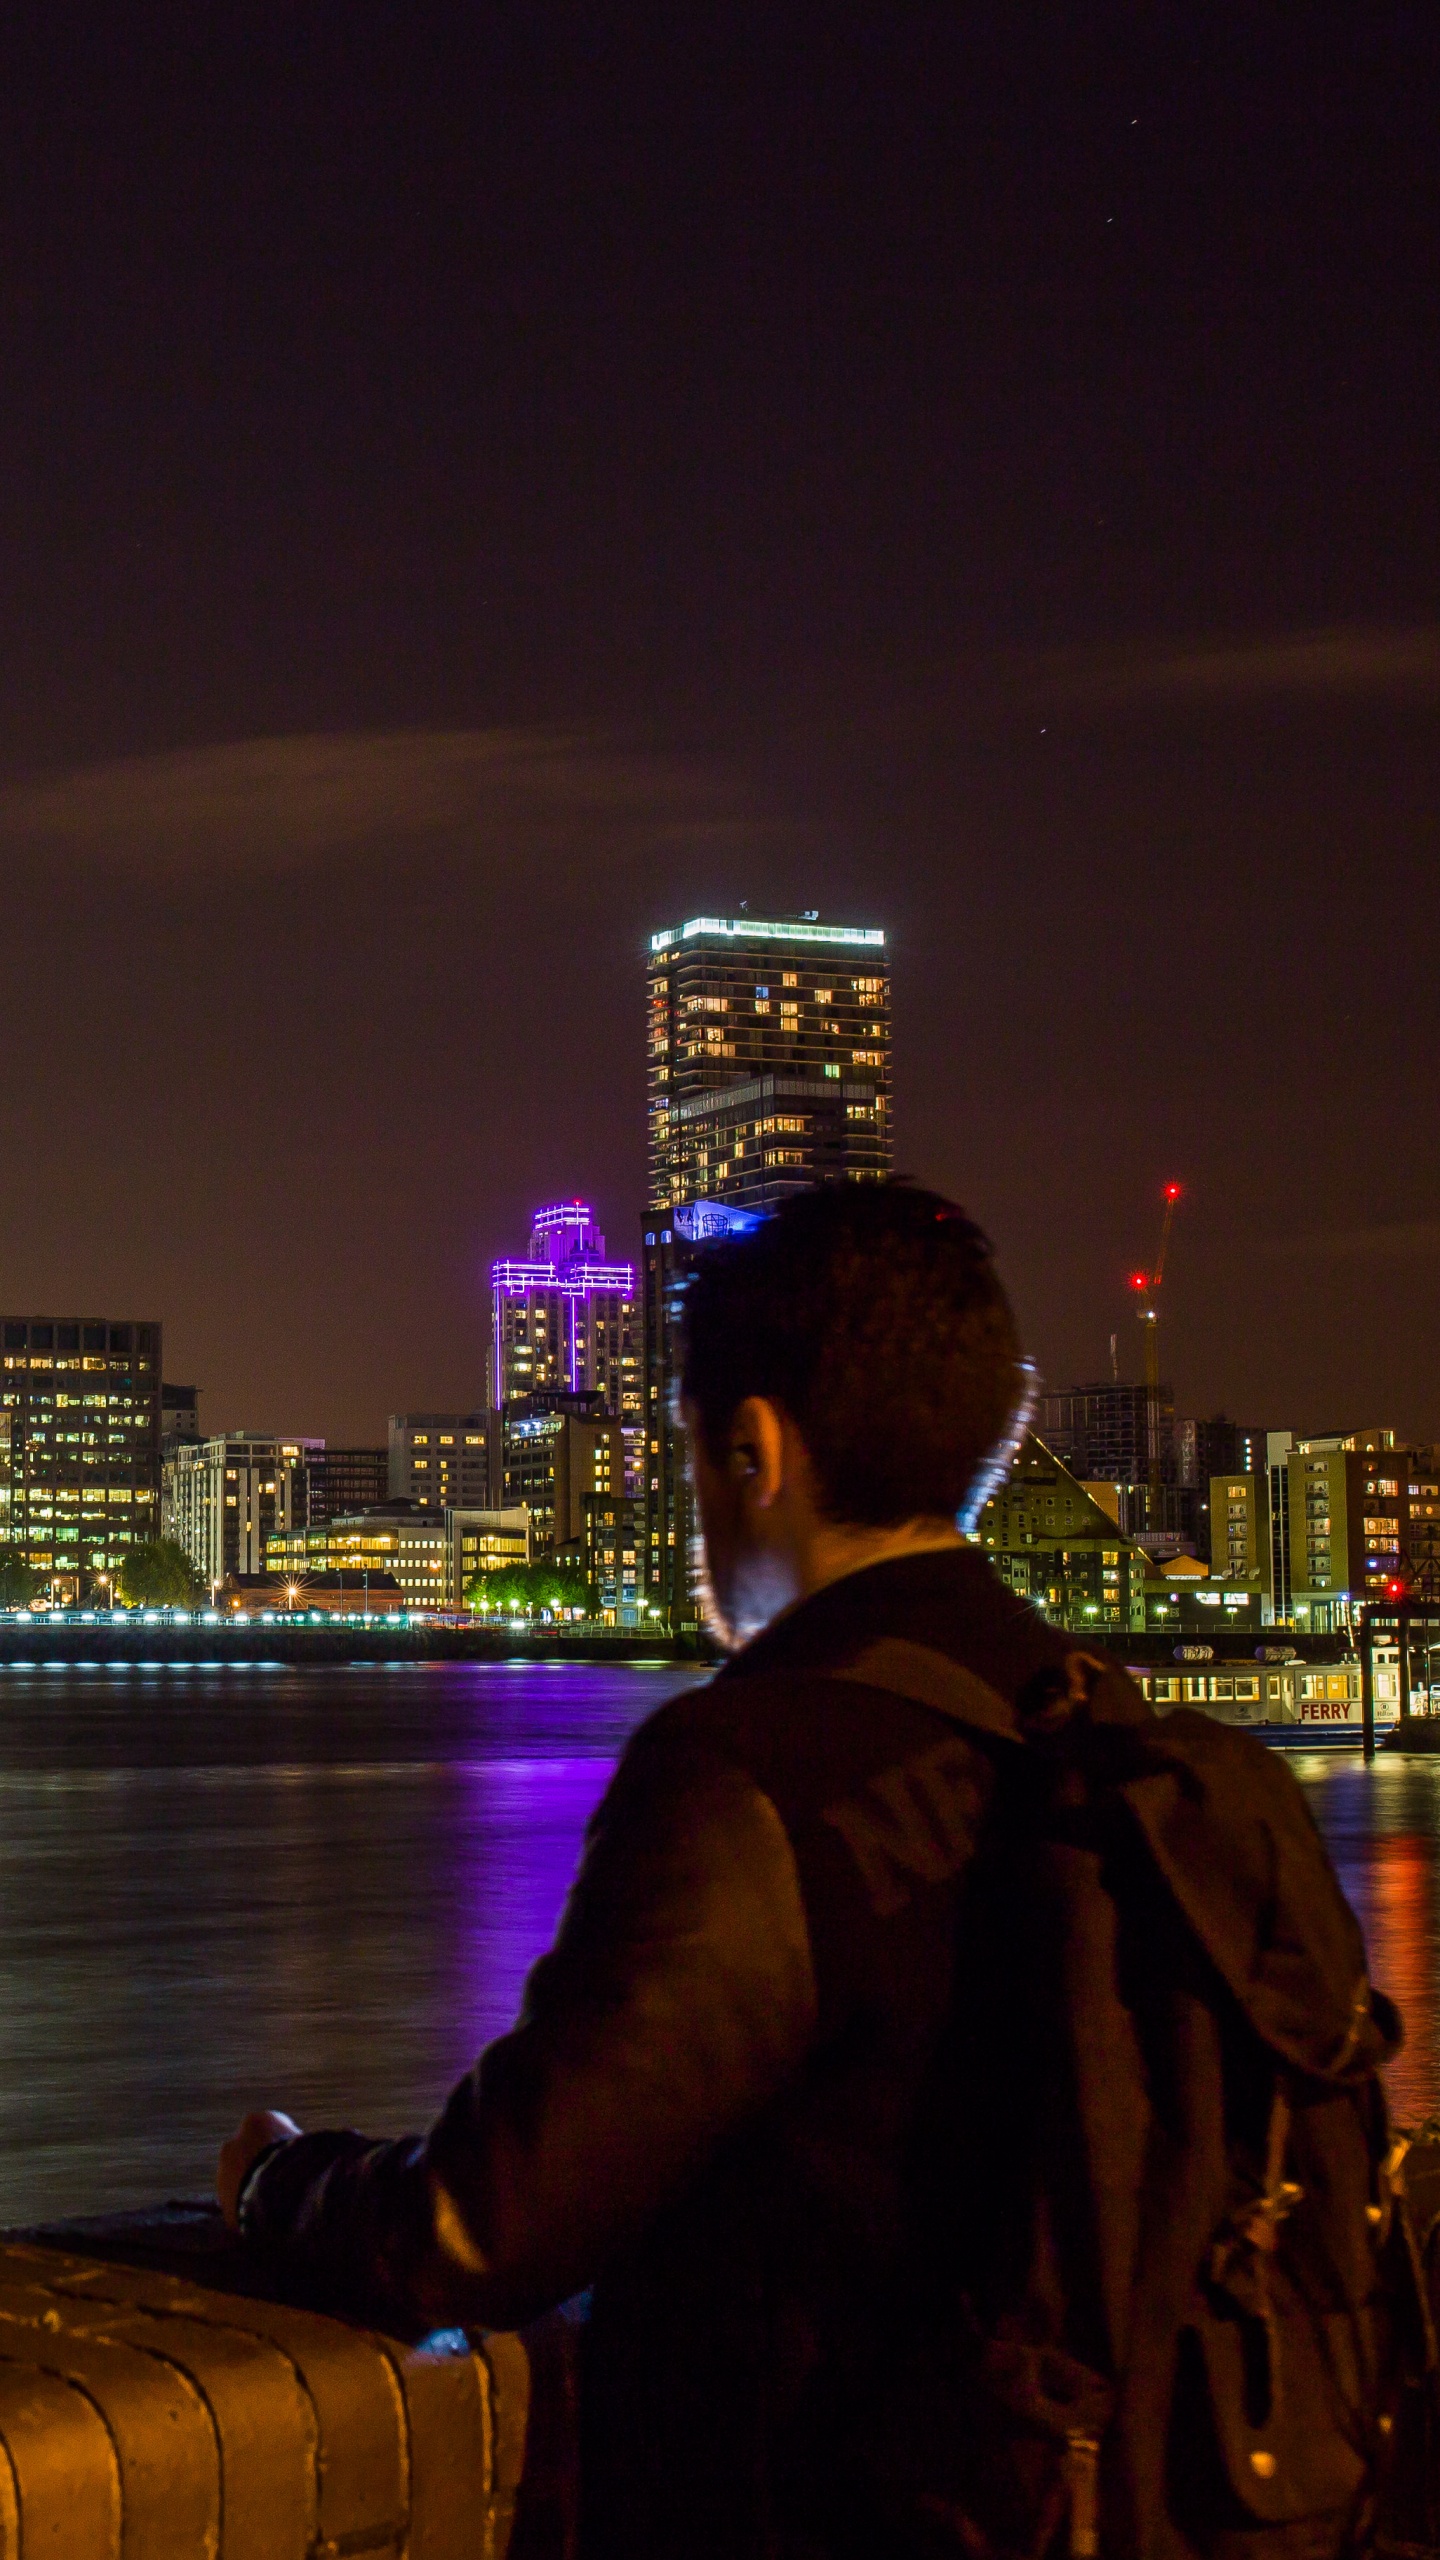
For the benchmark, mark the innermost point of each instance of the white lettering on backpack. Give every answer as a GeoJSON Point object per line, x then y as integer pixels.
{"type": "Point", "coordinates": [915, 1823]}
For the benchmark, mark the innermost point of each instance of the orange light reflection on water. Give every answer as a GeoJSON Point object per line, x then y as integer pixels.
{"type": "Point", "coordinates": [1382, 1828]}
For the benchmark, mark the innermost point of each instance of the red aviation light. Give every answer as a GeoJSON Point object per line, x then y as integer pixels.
{"type": "Point", "coordinates": [1172, 1191]}
{"type": "Point", "coordinates": [1139, 1279]}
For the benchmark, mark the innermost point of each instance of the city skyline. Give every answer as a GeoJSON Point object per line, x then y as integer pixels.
{"type": "Point", "coordinates": [473, 503]}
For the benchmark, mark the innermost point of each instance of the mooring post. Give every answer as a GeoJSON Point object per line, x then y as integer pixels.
{"type": "Point", "coordinates": [1367, 1685]}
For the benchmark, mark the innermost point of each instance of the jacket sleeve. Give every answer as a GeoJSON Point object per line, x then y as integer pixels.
{"type": "Point", "coordinates": [676, 2003]}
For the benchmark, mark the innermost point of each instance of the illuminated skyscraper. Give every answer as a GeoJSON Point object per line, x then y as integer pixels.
{"type": "Point", "coordinates": [768, 1057]}
{"type": "Point", "coordinates": [768, 1069]}
{"type": "Point", "coordinates": [566, 1318]}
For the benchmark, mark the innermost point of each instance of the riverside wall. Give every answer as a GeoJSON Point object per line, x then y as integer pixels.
{"type": "Point", "coordinates": [159, 1642]}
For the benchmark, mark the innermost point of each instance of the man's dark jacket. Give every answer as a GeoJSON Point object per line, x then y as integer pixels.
{"type": "Point", "coordinates": [713, 2108]}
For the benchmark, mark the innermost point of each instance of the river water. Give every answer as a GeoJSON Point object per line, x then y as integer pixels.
{"type": "Point", "coordinates": [222, 1887]}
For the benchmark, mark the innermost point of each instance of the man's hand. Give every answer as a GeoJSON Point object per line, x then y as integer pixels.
{"type": "Point", "coordinates": [239, 2155]}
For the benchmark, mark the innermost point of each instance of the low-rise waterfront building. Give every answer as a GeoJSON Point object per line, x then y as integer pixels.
{"type": "Point", "coordinates": [335, 1595]}
{"type": "Point", "coordinates": [394, 1538]}
{"type": "Point", "coordinates": [1333, 1521]}
{"type": "Point", "coordinates": [1052, 1542]}
{"type": "Point", "coordinates": [1200, 1606]}
{"type": "Point", "coordinates": [80, 1434]}
{"type": "Point", "coordinates": [480, 1543]}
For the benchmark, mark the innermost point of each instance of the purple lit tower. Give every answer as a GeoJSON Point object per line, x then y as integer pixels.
{"type": "Point", "coordinates": [567, 1319]}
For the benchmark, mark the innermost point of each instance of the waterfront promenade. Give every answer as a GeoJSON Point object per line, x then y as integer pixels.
{"type": "Point", "coordinates": [161, 1638]}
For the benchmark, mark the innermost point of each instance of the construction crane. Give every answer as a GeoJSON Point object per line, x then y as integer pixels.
{"type": "Point", "coordinates": [1147, 1286]}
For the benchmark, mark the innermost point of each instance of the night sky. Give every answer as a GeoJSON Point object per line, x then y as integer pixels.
{"type": "Point", "coordinates": [476, 484]}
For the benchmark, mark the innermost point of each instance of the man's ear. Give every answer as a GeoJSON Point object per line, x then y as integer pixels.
{"type": "Point", "coordinates": [757, 1450]}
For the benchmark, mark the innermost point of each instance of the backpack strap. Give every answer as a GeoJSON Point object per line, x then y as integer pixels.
{"type": "Point", "coordinates": [932, 1679]}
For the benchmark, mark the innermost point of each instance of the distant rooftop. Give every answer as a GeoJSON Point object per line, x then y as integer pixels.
{"type": "Point", "coordinates": [868, 937]}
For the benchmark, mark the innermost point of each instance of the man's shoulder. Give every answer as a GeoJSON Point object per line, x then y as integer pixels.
{"type": "Point", "coordinates": [803, 1732]}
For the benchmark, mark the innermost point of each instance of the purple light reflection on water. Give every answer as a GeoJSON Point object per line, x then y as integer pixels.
{"type": "Point", "coordinates": [314, 1889]}
{"type": "Point", "coordinates": [325, 1889]}
{"type": "Point", "coordinates": [515, 1851]}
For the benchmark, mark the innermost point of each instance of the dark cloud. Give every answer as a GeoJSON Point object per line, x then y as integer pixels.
{"type": "Point", "coordinates": [269, 805]}
{"type": "Point", "coordinates": [1402, 664]}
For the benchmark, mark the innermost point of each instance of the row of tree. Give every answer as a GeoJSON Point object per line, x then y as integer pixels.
{"type": "Point", "coordinates": [525, 1590]}
{"type": "Point", "coordinates": [157, 1574]}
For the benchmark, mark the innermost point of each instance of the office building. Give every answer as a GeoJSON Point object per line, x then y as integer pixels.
{"type": "Point", "coordinates": [768, 1069]}
{"type": "Point", "coordinates": [552, 1450]}
{"type": "Point", "coordinates": [439, 1460]}
{"type": "Point", "coordinates": [225, 1497]}
{"type": "Point", "coordinates": [566, 1318]}
{"type": "Point", "coordinates": [1052, 1542]}
{"type": "Point", "coordinates": [481, 1543]}
{"type": "Point", "coordinates": [394, 1539]}
{"type": "Point", "coordinates": [179, 1417]}
{"type": "Point", "coordinates": [344, 1480]}
{"type": "Point", "coordinates": [79, 1447]}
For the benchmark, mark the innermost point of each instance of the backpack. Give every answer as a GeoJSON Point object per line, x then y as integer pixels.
{"type": "Point", "coordinates": [1166, 2298]}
